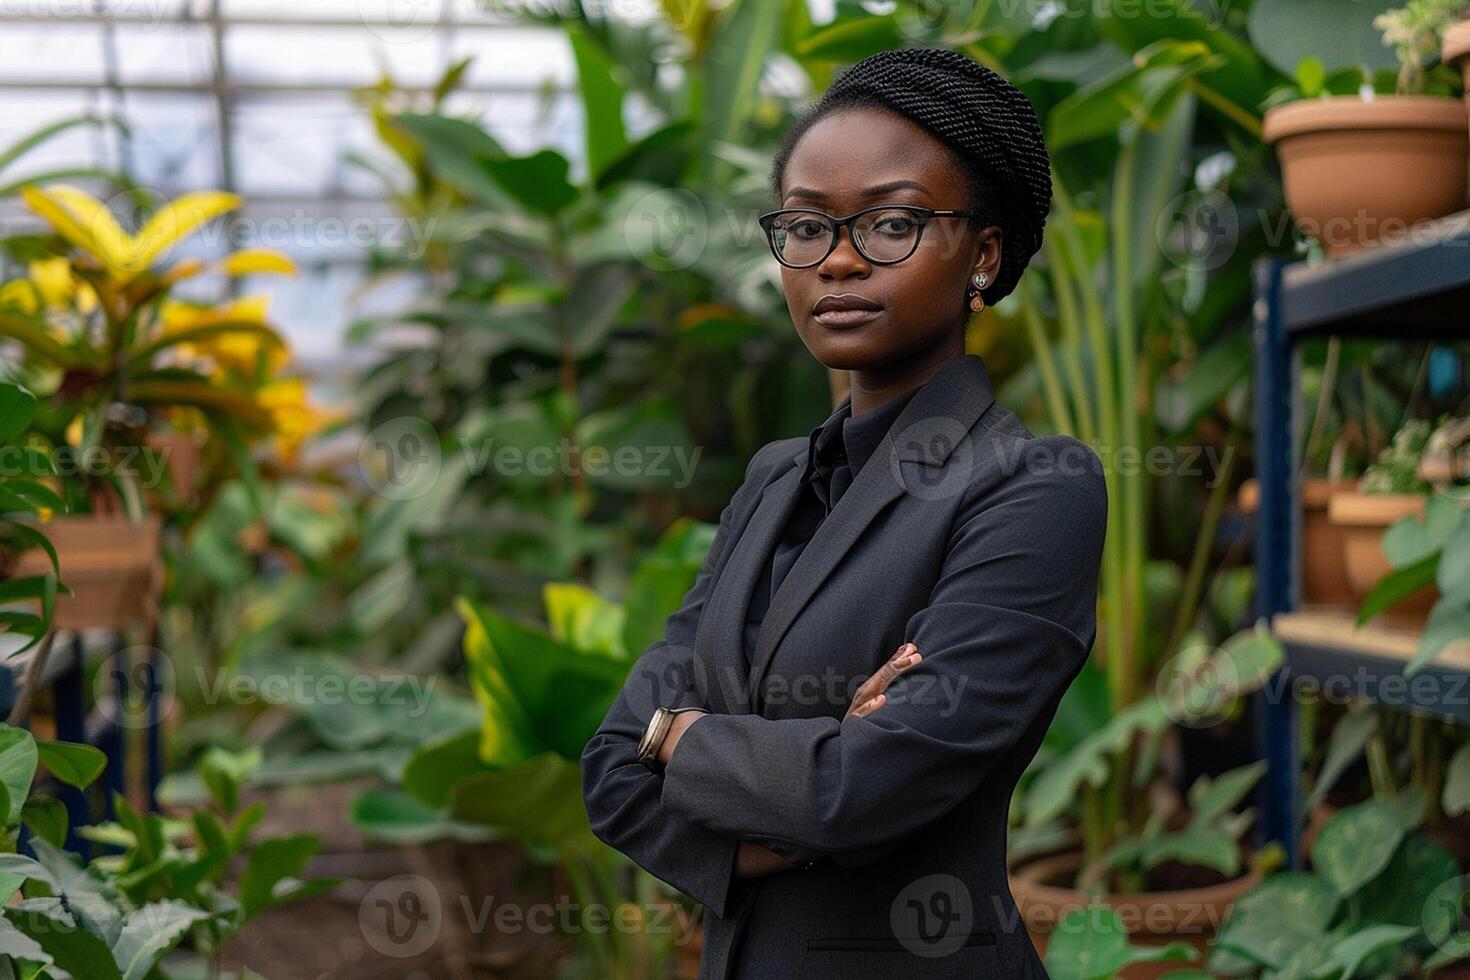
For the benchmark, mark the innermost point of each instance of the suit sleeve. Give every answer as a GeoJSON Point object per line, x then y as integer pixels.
{"type": "Point", "coordinates": [623, 797]}
{"type": "Point", "coordinates": [1009, 624]}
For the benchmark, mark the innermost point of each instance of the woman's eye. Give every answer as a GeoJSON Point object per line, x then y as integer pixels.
{"type": "Point", "coordinates": [897, 224]}
{"type": "Point", "coordinates": [808, 229]}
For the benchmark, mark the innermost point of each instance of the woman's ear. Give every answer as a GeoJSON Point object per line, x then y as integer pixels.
{"type": "Point", "coordinates": [988, 249]}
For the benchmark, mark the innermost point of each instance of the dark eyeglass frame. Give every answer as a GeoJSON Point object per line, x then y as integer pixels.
{"type": "Point", "coordinates": [923, 214]}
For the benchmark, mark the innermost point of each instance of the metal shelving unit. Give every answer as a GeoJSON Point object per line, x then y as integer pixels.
{"type": "Point", "coordinates": [1415, 289]}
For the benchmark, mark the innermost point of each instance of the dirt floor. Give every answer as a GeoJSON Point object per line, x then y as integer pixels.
{"type": "Point", "coordinates": [409, 913]}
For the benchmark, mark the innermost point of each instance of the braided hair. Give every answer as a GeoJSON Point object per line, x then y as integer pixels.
{"type": "Point", "coordinates": [988, 126]}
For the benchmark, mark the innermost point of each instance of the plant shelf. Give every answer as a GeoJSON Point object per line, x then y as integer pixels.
{"type": "Point", "coordinates": [1416, 288]}
{"type": "Point", "coordinates": [1367, 662]}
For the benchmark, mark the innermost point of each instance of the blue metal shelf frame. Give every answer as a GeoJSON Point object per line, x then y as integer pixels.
{"type": "Point", "coordinates": [1415, 290]}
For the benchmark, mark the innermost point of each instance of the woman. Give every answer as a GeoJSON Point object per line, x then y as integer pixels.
{"type": "Point", "coordinates": [894, 604]}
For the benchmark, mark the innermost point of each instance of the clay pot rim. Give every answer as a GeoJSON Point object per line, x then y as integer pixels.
{"type": "Point", "coordinates": [1346, 113]}
{"type": "Point", "coordinates": [1315, 492]}
{"type": "Point", "coordinates": [1456, 43]}
{"type": "Point", "coordinates": [1353, 508]}
{"type": "Point", "coordinates": [1030, 871]}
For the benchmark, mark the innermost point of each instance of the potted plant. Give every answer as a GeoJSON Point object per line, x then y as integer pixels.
{"type": "Point", "coordinates": [1367, 165]}
{"type": "Point", "coordinates": [1380, 900]}
{"type": "Point", "coordinates": [1324, 577]}
{"type": "Point", "coordinates": [1389, 491]}
{"type": "Point", "coordinates": [130, 374]}
{"type": "Point", "coordinates": [1170, 867]}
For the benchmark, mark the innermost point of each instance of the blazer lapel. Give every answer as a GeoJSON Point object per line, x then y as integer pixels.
{"type": "Point", "coordinates": [719, 641]}
{"type": "Point", "coordinates": [929, 428]}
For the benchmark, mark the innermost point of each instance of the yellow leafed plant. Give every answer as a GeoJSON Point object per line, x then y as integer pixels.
{"type": "Point", "coordinates": [123, 359]}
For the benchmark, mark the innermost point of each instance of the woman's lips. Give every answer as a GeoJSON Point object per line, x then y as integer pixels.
{"type": "Point", "coordinates": [846, 318]}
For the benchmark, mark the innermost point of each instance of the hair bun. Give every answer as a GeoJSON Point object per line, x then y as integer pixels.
{"type": "Point", "coordinates": [983, 116]}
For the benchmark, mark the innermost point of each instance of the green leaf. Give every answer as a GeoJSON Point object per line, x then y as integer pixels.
{"type": "Point", "coordinates": [401, 819]}
{"type": "Point", "coordinates": [1411, 538]}
{"type": "Point", "coordinates": [1196, 845]}
{"type": "Point", "coordinates": [1092, 942]}
{"type": "Point", "coordinates": [17, 408]}
{"type": "Point", "coordinates": [74, 764]}
{"type": "Point", "coordinates": [537, 694]}
{"type": "Point", "coordinates": [1448, 621]}
{"type": "Point", "coordinates": [149, 932]}
{"type": "Point", "coordinates": [1212, 798]}
{"type": "Point", "coordinates": [1288, 32]}
{"type": "Point", "coordinates": [1398, 584]}
{"type": "Point", "coordinates": [47, 819]}
{"type": "Point", "coordinates": [1356, 845]}
{"type": "Point", "coordinates": [223, 772]}
{"type": "Point", "coordinates": [1311, 77]}
{"type": "Point", "coordinates": [602, 100]}
{"type": "Point", "coordinates": [538, 182]}
{"type": "Point", "coordinates": [538, 802]}
{"type": "Point", "coordinates": [1350, 951]}
{"type": "Point", "coordinates": [582, 619]}
{"type": "Point", "coordinates": [1402, 894]}
{"type": "Point", "coordinates": [1344, 746]}
{"type": "Point", "coordinates": [1270, 923]}
{"type": "Point", "coordinates": [655, 593]}
{"type": "Point", "coordinates": [1154, 80]}
{"type": "Point", "coordinates": [71, 948]}
{"type": "Point", "coordinates": [18, 757]}
{"type": "Point", "coordinates": [89, 896]}
{"type": "Point", "coordinates": [851, 40]}
{"type": "Point", "coordinates": [743, 36]}
{"type": "Point", "coordinates": [270, 863]}
{"type": "Point", "coordinates": [1456, 798]}
{"type": "Point", "coordinates": [1454, 570]}
{"type": "Point", "coordinates": [433, 771]}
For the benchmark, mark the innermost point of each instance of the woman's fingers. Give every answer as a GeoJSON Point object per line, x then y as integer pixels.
{"type": "Point", "coordinates": [906, 656]}
{"type": "Point", "coordinates": [867, 707]}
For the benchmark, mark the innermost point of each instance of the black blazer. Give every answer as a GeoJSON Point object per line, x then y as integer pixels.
{"type": "Point", "coordinates": [964, 534]}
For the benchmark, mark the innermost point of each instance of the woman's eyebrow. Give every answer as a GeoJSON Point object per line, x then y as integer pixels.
{"type": "Point", "coordinates": [873, 191]}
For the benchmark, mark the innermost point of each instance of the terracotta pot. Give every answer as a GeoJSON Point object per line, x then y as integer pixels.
{"type": "Point", "coordinates": [1357, 172]}
{"type": "Point", "coordinates": [1363, 518]}
{"type": "Point", "coordinates": [1189, 915]}
{"type": "Point", "coordinates": [1324, 579]}
{"type": "Point", "coordinates": [181, 453]}
{"type": "Point", "coordinates": [112, 566]}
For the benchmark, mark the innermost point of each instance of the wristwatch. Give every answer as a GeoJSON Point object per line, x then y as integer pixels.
{"type": "Point", "coordinates": [653, 735]}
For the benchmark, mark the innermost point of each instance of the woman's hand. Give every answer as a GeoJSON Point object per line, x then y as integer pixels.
{"type": "Point", "coordinates": [870, 697]}
{"type": "Point", "coordinates": [753, 860]}
{"type": "Point", "coordinates": [676, 731]}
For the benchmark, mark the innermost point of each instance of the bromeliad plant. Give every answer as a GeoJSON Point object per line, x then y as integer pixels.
{"type": "Point", "coordinates": [119, 358]}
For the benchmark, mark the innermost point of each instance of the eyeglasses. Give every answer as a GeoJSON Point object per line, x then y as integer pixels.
{"type": "Point", "coordinates": [884, 234]}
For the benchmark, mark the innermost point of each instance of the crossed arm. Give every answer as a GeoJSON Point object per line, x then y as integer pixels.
{"type": "Point", "coordinates": [1009, 623]}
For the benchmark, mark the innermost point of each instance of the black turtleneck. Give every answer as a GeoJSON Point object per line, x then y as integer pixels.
{"type": "Point", "coordinates": [832, 464]}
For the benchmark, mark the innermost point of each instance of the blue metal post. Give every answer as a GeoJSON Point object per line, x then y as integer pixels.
{"type": "Point", "coordinates": [1276, 551]}
{"type": "Point", "coordinates": [71, 726]}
